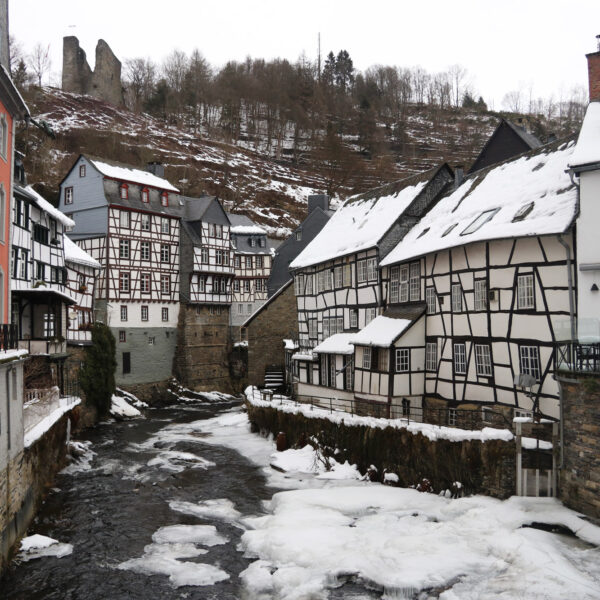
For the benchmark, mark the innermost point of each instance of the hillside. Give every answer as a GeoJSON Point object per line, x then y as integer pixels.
{"type": "Point", "coordinates": [272, 191]}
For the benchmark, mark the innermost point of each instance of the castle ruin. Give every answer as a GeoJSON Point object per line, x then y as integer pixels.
{"type": "Point", "coordinates": [104, 82]}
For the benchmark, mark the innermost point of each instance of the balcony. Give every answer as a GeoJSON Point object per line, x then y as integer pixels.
{"type": "Point", "coordinates": [44, 346]}
{"type": "Point", "coordinates": [577, 357]}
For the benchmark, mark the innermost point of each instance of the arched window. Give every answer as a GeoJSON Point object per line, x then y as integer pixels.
{"type": "Point", "coordinates": [124, 191]}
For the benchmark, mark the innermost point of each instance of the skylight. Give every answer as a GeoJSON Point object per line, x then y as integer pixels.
{"type": "Point", "coordinates": [424, 232]}
{"type": "Point", "coordinates": [523, 212]}
{"type": "Point", "coordinates": [482, 219]}
{"type": "Point", "coordinates": [449, 229]}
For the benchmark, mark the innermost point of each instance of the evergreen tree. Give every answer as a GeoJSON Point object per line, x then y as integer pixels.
{"type": "Point", "coordinates": [97, 375]}
{"type": "Point", "coordinates": [344, 71]}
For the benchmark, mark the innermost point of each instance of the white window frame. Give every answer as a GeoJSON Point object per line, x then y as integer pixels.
{"type": "Point", "coordinates": [164, 313]}
{"type": "Point", "coordinates": [402, 360]}
{"type": "Point", "coordinates": [124, 219]}
{"type": "Point", "coordinates": [431, 358]}
{"type": "Point", "coordinates": [525, 291]}
{"type": "Point", "coordinates": [431, 300]}
{"type": "Point", "coordinates": [145, 283]}
{"type": "Point", "coordinates": [403, 283]}
{"type": "Point", "coordinates": [415, 281]}
{"type": "Point", "coordinates": [204, 256]}
{"type": "Point", "coordinates": [370, 315]}
{"type": "Point", "coordinates": [309, 284]}
{"type": "Point", "coordinates": [483, 360]}
{"type": "Point", "coordinates": [372, 274]}
{"type": "Point", "coordinates": [145, 222]}
{"type": "Point", "coordinates": [394, 284]}
{"type": "Point", "coordinates": [347, 275]}
{"type": "Point", "coordinates": [123, 313]}
{"type": "Point", "coordinates": [456, 298]}
{"type": "Point", "coordinates": [144, 250]}
{"type": "Point", "coordinates": [165, 253]}
{"type": "Point", "coordinates": [165, 284]}
{"type": "Point", "coordinates": [366, 358]}
{"type": "Point", "coordinates": [338, 277]}
{"type": "Point", "coordinates": [353, 318]}
{"type": "Point", "coordinates": [69, 195]}
{"type": "Point", "coordinates": [529, 360]}
{"type": "Point", "coordinates": [452, 417]}
{"type": "Point", "coordinates": [124, 282]}
{"type": "Point", "coordinates": [144, 313]}
{"type": "Point", "coordinates": [480, 294]}
{"type": "Point", "coordinates": [361, 266]}
{"type": "Point", "coordinates": [165, 225]}
{"type": "Point", "coordinates": [236, 285]}
{"type": "Point", "coordinates": [460, 358]}
{"type": "Point", "coordinates": [299, 284]}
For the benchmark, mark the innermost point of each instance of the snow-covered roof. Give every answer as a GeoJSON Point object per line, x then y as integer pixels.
{"type": "Point", "coordinates": [304, 356]}
{"type": "Point", "coordinates": [290, 344]}
{"type": "Point", "coordinates": [527, 196]}
{"type": "Point", "coordinates": [587, 150]}
{"type": "Point", "coordinates": [381, 331]}
{"type": "Point", "coordinates": [47, 207]}
{"type": "Point", "coordinates": [132, 175]}
{"type": "Point", "coordinates": [338, 343]}
{"type": "Point", "coordinates": [248, 230]}
{"type": "Point", "coordinates": [359, 223]}
{"type": "Point", "coordinates": [75, 254]}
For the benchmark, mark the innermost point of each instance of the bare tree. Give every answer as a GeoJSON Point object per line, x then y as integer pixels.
{"type": "Point", "coordinates": [457, 76]}
{"type": "Point", "coordinates": [513, 101]}
{"type": "Point", "coordinates": [40, 62]}
{"type": "Point", "coordinates": [140, 77]}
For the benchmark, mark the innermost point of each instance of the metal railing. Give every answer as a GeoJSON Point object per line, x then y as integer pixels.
{"type": "Point", "coordinates": [577, 357]}
{"type": "Point", "coordinates": [461, 418]}
{"type": "Point", "coordinates": [8, 337]}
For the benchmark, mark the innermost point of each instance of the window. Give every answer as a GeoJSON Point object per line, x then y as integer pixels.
{"type": "Point", "coordinates": [164, 313]}
{"type": "Point", "coordinates": [366, 363]}
{"type": "Point", "coordinates": [460, 359]}
{"type": "Point", "coordinates": [123, 191]}
{"type": "Point", "coordinates": [144, 313]}
{"type": "Point", "coordinates": [252, 242]}
{"type": "Point", "coordinates": [452, 417]}
{"type": "Point", "coordinates": [362, 271]}
{"type": "Point", "coordinates": [145, 283]}
{"type": "Point", "coordinates": [164, 199]}
{"type": "Point", "coordinates": [69, 195]}
{"type": "Point", "coordinates": [394, 284]}
{"type": "Point", "coordinates": [49, 325]}
{"type": "Point", "coordinates": [237, 262]}
{"type": "Point", "coordinates": [415, 281]}
{"type": "Point", "coordinates": [323, 281]}
{"type": "Point", "coordinates": [165, 253]}
{"type": "Point", "coordinates": [403, 283]}
{"type": "Point", "coordinates": [299, 284]}
{"type": "Point", "coordinates": [81, 170]}
{"type": "Point", "coordinates": [145, 250]}
{"type": "Point", "coordinates": [123, 313]}
{"type": "Point", "coordinates": [383, 362]}
{"type": "Point", "coordinates": [480, 221]}
{"type": "Point", "coordinates": [248, 262]}
{"type": "Point", "coordinates": [370, 315]}
{"type": "Point", "coordinates": [483, 361]}
{"type": "Point", "coordinates": [486, 414]}
{"type": "Point", "coordinates": [40, 270]}
{"type": "Point", "coordinates": [481, 298]}
{"type": "Point", "coordinates": [240, 309]}
{"type": "Point", "coordinates": [246, 285]}
{"type": "Point", "coordinates": [145, 196]}
{"type": "Point", "coordinates": [354, 318]}
{"type": "Point", "coordinates": [457, 305]}
{"type": "Point", "coordinates": [23, 264]}
{"type": "Point", "coordinates": [145, 222]}
{"type": "Point", "coordinates": [126, 363]}
{"type": "Point", "coordinates": [165, 284]}
{"type": "Point", "coordinates": [402, 360]}
{"type": "Point", "coordinates": [523, 211]}
{"type": "Point", "coordinates": [4, 137]}
{"type": "Point", "coordinates": [312, 328]}
{"type": "Point", "coordinates": [262, 242]}
{"type": "Point", "coordinates": [347, 277]}
{"type": "Point", "coordinates": [20, 211]}
{"type": "Point", "coordinates": [431, 356]}
{"type": "Point", "coordinates": [298, 235]}
{"type": "Point", "coordinates": [123, 282]}
{"type": "Point", "coordinates": [431, 300]}
{"type": "Point", "coordinates": [372, 269]}
{"type": "Point", "coordinates": [219, 257]}
{"type": "Point", "coordinates": [201, 283]}
{"type": "Point", "coordinates": [249, 308]}
{"type": "Point", "coordinates": [40, 233]}
{"type": "Point", "coordinates": [525, 296]}
{"type": "Point", "coordinates": [204, 256]}
{"type": "Point", "coordinates": [151, 340]}
{"type": "Point", "coordinates": [53, 275]}
{"type": "Point", "coordinates": [530, 361]}
{"type": "Point", "coordinates": [405, 408]}
{"type": "Point", "coordinates": [449, 229]}
{"type": "Point", "coordinates": [338, 277]}
{"type": "Point", "coordinates": [223, 285]}
{"type": "Point", "coordinates": [259, 262]}
{"type": "Point", "coordinates": [236, 285]}
{"type": "Point", "coordinates": [258, 285]}
{"type": "Point", "coordinates": [219, 231]}
{"type": "Point", "coordinates": [123, 248]}
{"type": "Point", "coordinates": [309, 284]}
{"type": "Point", "coordinates": [165, 226]}
{"type": "Point", "coordinates": [122, 336]}
{"type": "Point", "coordinates": [124, 219]}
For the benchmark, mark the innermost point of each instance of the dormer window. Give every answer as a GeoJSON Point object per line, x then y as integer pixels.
{"type": "Point", "coordinates": [252, 242]}
{"type": "Point", "coordinates": [124, 191]}
{"type": "Point", "coordinates": [81, 170]}
{"type": "Point", "coordinates": [523, 211]}
{"type": "Point", "coordinates": [145, 196]}
{"type": "Point", "coordinates": [262, 242]}
{"type": "Point", "coordinates": [298, 235]}
{"type": "Point", "coordinates": [164, 199]}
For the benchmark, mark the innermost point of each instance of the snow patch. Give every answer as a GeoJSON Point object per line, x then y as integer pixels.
{"type": "Point", "coordinates": [39, 546]}
{"type": "Point", "coordinates": [221, 508]}
{"type": "Point", "coordinates": [119, 407]}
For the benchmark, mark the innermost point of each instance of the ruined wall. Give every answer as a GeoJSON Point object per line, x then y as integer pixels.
{"type": "Point", "coordinates": [203, 344]}
{"type": "Point", "coordinates": [24, 481]}
{"type": "Point", "coordinates": [104, 82]}
{"type": "Point", "coordinates": [579, 486]}
{"type": "Point", "coordinates": [481, 467]}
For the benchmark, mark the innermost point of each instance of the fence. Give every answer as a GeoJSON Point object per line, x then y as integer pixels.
{"type": "Point", "coordinates": [462, 418]}
{"type": "Point", "coordinates": [577, 357]}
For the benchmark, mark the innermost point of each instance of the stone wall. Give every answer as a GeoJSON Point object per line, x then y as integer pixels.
{"type": "Point", "coordinates": [104, 82]}
{"type": "Point", "coordinates": [277, 321]}
{"type": "Point", "coordinates": [579, 486]}
{"type": "Point", "coordinates": [481, 467]}
{"type": "Point", "coordinates": [203, 345]}
{"type": "Point", "coordinates": [23, 484]}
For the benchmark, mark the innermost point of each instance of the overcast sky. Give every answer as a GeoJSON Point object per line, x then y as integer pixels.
{"type": "Point", "coordinates": [504, 44]}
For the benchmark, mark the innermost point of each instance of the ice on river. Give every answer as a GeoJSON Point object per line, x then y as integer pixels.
{"type": "Point", "coordinates": [176, 462]}
{"type": "Point", "coordinates": [172, 543]}
{"type": "Point", "coordinates": [221, 509]}
{"type": "Point", "coordinates": [400, 539]}
{"type": "Point", "coordinates": [39, 546]}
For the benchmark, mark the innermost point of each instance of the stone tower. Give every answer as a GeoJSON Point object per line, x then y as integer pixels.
{"type": "Point", "coordinates": [104, 82]}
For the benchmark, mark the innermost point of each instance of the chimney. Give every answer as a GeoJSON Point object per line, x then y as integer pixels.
{"type": "Point", "coordinates": [156, 168]}
{"type": "Point", "coordinates": [318, 200]}
{"type": "Point", "coordinates": [458, 176]}
{"type": "Point", "coordinates": [594, 72]}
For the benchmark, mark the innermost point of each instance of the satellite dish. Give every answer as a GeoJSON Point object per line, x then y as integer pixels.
{"type": "Point", "coordinates": [525, 380]}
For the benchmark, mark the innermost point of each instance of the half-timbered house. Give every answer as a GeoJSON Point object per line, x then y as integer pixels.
{"type": "Point", "coordinates": [39, 295]}
{"type": "Point", "coordinates": [490, 266]}
{"type": "Point", "coordinates": [82, 270]}
{"type": "Point", "coordinates": [129, 221]}
{"type": "Point", "coordinates": [337, 281]}
{"type": "Point", "coordinates": [252, 263]}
